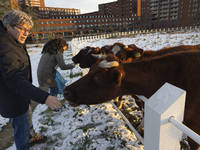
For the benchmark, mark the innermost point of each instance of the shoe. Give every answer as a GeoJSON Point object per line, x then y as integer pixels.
{"type": "Point", "coordinates": [37, 138]}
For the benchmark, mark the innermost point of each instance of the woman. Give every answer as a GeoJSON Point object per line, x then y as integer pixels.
{"type": "Point", "coordinates": [52, 55]}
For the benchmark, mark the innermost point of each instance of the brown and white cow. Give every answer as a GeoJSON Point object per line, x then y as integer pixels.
{"type": "Point", "coordinates": [136, 53]}
{"type": "Point", "coordinates": [85, 56]}
{"type": "Point", "coordinates": [143, 77]}
{"type": "Point", "coordinates": [133, 53]}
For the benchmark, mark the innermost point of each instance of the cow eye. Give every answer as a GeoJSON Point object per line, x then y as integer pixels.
{"type": "Point", "coordinates": [99, 78]}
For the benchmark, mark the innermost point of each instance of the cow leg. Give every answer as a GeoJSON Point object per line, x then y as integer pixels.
{"type": "Point", "coordinates": [139, 102]}
{"type": "Point", "coordinates": [119, 102]}
{"type": "Point", "coordinates": [190, 121]}
{"type": "Point", "coordinates": [140, 128]}
{"type": "Point", "coordinates": [193, 144]}
{"type": "Point", "coordinates": [184, 142]}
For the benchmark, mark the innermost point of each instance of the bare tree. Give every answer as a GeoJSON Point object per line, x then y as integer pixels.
{"type": "Point", "coordinates": [36, 27]}
{"type": "Point", "coordinates": [6, 5]}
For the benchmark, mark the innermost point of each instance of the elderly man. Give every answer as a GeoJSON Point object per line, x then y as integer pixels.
{"type": "Point", "coordinates": [15, 76]}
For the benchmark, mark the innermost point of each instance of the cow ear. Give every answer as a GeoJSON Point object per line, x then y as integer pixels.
{"type": "Point", "coordinates": [117, 76]}
{"type": "Point", "coordinates": [97, 49]}
{"type": "Point", "coordinates": [139, 53]}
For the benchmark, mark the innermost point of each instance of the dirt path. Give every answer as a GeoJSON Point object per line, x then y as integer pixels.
{"type": "Point", "coordinates": [6, 135]}
{"type": "Point", "coordinates": [7, 132]}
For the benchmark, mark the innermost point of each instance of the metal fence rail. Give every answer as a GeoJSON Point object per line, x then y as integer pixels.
{"type": "Point", "coordinates": [185, 129]}
{"type": "Point", "coordinates": [129, 124]}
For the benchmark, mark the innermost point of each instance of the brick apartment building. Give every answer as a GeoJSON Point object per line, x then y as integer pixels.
{"type": "Point", "coordinates": [120, 15]}
{"type": "Point", "coordinates": [170, 13]}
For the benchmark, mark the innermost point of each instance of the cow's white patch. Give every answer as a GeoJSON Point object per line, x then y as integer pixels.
{"type": "Point", "coordinates": [100, 56]}
{"type": "Point", "coordinates": [89, 51]}
{"type": "Point", "coordinates": [116, 49]}
{"type": "Point", "coordinates": [105, 64]}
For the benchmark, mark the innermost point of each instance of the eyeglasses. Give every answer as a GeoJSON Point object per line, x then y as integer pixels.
{"type": "Point", "coordinates": [24, 30]}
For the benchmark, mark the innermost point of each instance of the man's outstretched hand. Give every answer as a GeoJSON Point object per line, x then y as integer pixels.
{"type": "Point", "coordinates": [53, 102]}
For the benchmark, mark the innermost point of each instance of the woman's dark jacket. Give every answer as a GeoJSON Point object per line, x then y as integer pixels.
{"type": "Point", "coordinates": [16, 87]}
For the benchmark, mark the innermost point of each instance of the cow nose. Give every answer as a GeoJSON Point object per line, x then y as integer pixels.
{"type": "Point", "coordinates": [74, 60]}
{"type": "Point", "coordinates": [65, 93]}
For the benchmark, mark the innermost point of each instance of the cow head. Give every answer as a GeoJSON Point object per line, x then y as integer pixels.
{"type": "Point", "coordinates": [85, 58]}
{"type": "Point", "coordinates": [122, 55]}
{"type": "Point", "coordinates": [106, 49]}
{"type": "Point", "coordinates": [118, 49]}
{"type": "Point", "coordinates": [133, 53]}
{"type": "Point", "coordinates": [97, 84]}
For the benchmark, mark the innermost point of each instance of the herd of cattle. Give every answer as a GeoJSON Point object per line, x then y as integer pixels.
{"type": "Point", "coordinates": [118, 69]}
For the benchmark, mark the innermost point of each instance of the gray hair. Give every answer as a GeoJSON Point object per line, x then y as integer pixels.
{"type": "Point", "coordinates": [17, 17]}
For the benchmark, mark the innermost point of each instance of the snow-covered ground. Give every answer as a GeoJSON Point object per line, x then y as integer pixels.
{"type": "Point", "coordinates": [97, 127]}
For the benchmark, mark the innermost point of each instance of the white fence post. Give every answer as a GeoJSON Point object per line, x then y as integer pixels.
{"type": "Point", "coordinates": [159, 133]}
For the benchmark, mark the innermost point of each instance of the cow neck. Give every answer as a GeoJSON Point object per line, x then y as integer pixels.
{"type": "Point", "coordinates": [142, 78]}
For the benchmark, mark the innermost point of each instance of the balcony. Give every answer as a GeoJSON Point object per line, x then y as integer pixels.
{"type": "Point", "coordinates": [164, 2]}
{"type": "Point", "coordinates": [154, 8]}
{"type": "Point", "coordinates": [163, 18]}
{"type": "Point", "coordinates": [154, 12]}
{"type": "Point", "coordinates": [164, 11]}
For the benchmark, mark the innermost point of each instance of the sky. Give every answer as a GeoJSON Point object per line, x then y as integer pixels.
{"type": "Point", "coordinates": [85, 6]}
{"type": "Point", "coordinates": [98, 126]}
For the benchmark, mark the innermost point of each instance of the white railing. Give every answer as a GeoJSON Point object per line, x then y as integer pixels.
{"type": "Point", "coordinates": [83, 39]}
{"type": "Point", "coordinates": [128, 123]}
{"type": "Point", "coordinates": [185, 129]}
{"type": "Point", "coordinates": [164, 112]}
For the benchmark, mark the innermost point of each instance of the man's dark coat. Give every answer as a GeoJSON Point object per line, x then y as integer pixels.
{"type": "Point", "coordinates": [16, 87]}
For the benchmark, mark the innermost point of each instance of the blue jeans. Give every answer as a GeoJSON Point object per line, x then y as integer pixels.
{"type": "Point", "coordinates": [54, 91]}
{"type": "Point", "coordinates": [21, 128]}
